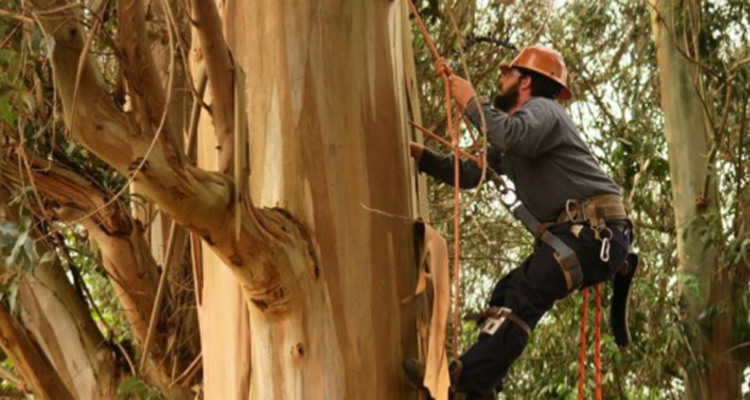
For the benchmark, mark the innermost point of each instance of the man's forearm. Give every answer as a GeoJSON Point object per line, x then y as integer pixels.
{"type": "Point", "coordinates": [441, 167]}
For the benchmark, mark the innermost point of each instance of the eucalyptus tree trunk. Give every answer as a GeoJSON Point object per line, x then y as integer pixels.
{"type": "Point", "coordinates": [317, 240]}
{"type": "Point", "coordinates": [327, 126]}
{"type": "Point", "coordinates": [713, 372]}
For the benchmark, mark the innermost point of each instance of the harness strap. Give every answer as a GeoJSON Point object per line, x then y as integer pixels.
{"type": "Point", "coordinates": [493, 318]}
{"type": "Point", "coordinates": [568, 260]}
{"type": "Point", "coordinates": [564, 255]}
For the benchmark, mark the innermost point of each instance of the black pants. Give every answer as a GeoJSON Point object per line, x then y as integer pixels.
{"type": "Point", "coordinates": [530, 291]}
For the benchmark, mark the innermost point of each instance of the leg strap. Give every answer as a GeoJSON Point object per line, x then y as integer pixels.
{"type": "Point", "coordinates": [494, 317]}
{"type": "Point", "coordinates": [568, 260]}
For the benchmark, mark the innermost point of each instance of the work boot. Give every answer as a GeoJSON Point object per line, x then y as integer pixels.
{"type": "Point", "coordinates": [415, 372]}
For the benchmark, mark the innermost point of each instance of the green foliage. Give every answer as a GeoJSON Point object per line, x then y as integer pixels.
{"type": "Point", "coordinates": [137, 389]}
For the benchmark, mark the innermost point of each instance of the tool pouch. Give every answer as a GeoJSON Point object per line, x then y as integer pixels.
{"type": "Point", "coordinates": [619, 308]}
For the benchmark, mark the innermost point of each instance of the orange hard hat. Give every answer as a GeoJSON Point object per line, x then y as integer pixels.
{"type": "Point", "coordinates": [545, 61]}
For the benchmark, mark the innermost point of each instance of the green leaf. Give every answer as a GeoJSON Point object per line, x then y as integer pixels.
{"type": "Point", "coordinates": [19, 246]}
{"type": "Point", "coordinates": [137, 388]}
{"type": "Point", "coordinates": [8, 228]}
{"type": "Point", "coordinates": [6, 113]}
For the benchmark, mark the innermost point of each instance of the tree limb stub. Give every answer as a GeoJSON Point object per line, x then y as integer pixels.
{"type": "Point", "coordinates": [220, 71]}
{"type": "Point", "coordinates": [200, 200]}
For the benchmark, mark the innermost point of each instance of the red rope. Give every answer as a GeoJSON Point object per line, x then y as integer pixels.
{"type": "Point", "coordinates": [582, 355]}
{"type": "Point", "coordinates": [597, 343]}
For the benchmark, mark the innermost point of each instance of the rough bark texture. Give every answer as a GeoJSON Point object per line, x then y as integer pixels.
{"type": "Point", "coordinates": [716, 373]}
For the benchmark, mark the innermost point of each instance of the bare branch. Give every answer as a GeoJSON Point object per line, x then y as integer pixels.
{"type": "Point", "coordinates": [199, 200]}
{"type": "Point", "coordinates": [146, 88]}
{"type": "Point", "coordinates": [20, 17]}
{"type": "Point", "coordinates": [220, 71]}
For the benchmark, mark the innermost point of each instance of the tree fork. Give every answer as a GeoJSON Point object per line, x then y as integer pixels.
{"type": "Point", "coordinates": [197, 199]}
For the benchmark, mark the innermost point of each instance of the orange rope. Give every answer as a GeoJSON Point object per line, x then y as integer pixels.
{"type": "Point", "coordinates": [597, 343]}
{"type": "Point", "coordinates": [582, 355]}
{"type": "Point", "coordinates": [433, 135]}
{"type": "Point", "coordinates": [456, 191]}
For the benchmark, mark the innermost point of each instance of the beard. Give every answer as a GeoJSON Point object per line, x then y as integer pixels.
{"type": "Point", "coordinates": [505, 101]}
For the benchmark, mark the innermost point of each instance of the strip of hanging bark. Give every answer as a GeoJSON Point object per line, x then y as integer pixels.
{"type": "Point", "coordinates": [433, 267]}
{"type": "Point", "coordinates": [33, 364]}
{"type": "Point", "coordinates": [220, 71]}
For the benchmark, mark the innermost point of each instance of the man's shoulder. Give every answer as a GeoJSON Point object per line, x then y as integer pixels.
{"type": "Point", "coordinates": [543, 102]}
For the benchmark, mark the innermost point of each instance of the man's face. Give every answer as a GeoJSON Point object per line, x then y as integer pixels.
{"type": "Point", "coordinates": [508, 90]}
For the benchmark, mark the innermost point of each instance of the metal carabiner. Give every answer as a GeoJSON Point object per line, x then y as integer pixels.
{"type": "Point", "coordinates": [606, 244]}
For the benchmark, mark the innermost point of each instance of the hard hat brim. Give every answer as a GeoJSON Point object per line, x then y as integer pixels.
{"type": "Point", "coordinates": [565, 93]}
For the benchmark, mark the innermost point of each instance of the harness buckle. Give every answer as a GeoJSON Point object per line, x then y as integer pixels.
{"type": "Point", "coordinates": [569, 210]}
{"type": "Point", "coordinates": [492, 324]}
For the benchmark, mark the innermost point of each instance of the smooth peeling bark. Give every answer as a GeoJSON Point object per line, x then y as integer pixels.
{"type": "Point", "coordinates": [224, 318]}
{"type": "Point", "coordinates": [36, 369]}
{"type": "Point", "coordinates": [327, 143]}
{"type": "Point", "coordinates": [62, 326]}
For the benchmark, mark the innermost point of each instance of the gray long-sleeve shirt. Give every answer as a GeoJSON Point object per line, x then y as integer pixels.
{"type": "Point", "coordinates": [539, 149]}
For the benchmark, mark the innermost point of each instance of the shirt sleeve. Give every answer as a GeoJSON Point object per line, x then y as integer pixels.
{"type": "Point", "coordinates": [440, 167]}
{"type": "Point", "coordinates": [528, 132]}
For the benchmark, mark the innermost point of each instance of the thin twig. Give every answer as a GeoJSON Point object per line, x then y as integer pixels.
{"type": "Point", "coordinates": [20, 17]}
{"type": "Point", "coordinates": [195, 113]}
{"type": "Point", "coordinates": [189, 371]}
{"type": "Point", "coordinates": [156, 310]}
{"type": "Point", "coordinates": [82, 60]}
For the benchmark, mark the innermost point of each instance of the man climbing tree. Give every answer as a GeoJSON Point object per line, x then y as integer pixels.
{"type": "Point", "coordinates": [573, 208]}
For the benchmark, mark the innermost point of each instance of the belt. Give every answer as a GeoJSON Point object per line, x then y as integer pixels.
{"type": "Point", "coordinates": [601, 212]}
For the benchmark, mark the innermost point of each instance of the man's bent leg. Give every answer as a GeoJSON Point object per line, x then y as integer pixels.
{"type": "Point", "coordinates": [530, 292]}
